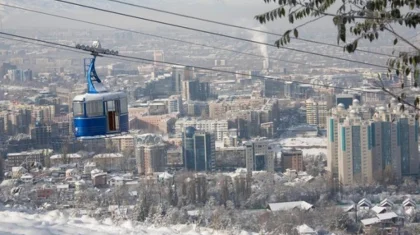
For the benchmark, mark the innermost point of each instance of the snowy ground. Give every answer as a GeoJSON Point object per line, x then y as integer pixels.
{"type": "Point", "coordinates": [314, 151]}
{"type": "Point", "coordinates": [58, 223]}
{"type": "Point", "coordinates": [304, 142]}
{"type": "Point", "coordinates": [312, 146]}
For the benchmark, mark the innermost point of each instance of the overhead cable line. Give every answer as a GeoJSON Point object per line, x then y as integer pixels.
{"type": "Point", "coordinates": [119, 56]}
{"type": "Point", "coordinates": [46, 45]}
{"type": "Point", "coordinates": [43, 43]}
{"type": "Point", "coordinates": [152, 35]}
{"type": "Point", "coordinates": [238, 26]}
{"type": "Point", "coordinates": [222, 35]}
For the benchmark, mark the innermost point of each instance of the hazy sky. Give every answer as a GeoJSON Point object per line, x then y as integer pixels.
{"type": "Point", "coordinates": [239, 12]}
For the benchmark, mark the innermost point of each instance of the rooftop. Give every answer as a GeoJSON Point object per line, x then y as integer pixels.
{"type": "Point", "coordinates": [282, 206]}
{"type": "Point", "coordinates": [33, 152]}
{"type": "Point", "coordinates": [71, 155]}
{"type": "Point", "coordinates": [108, 155]}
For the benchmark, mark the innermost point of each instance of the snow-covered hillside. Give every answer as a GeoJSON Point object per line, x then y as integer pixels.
{"type": "Point", "coordinates": [58, 223]}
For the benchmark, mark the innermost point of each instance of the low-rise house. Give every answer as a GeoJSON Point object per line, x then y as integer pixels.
{"type": "Point", "coordinates": [116, 181]}
{"type": "Point", "coordinates": [80, 185]}
{"type": "Point", "coordinates": [18, 171]}
{"type": "Point", "coordinates": [305, 230]}
{"type": "Point", "coordinates": [63, 187]}
{"type": "Point", "coordinates": [409, 204]}
{"type": "Point", "coordinates": [387, 203]}
{"type": "Point", "coordinates": [72, 173]}
{"type": "Point", "coordinates": [27, 178]}
{"type": "Point", "coordinates": [364, 204]}
{"type": "Point", "coordinates": [379, 209]}
{"type": "Point", "coordinates": [89, 167]}
{"type": "Point", "coordinates": [44, 192]}
{"type": "Point", "coordinates": [99, 179]}
{"type": "Point", "coordinates": [65, 192]}
{"type": "Point", "coordinates": [388, 223]}
{"type": "Point", "coordinates": [284, 206]}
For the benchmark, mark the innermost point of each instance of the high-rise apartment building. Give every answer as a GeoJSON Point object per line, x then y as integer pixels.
{"type": "Point", "coordinates": [158, 56]}
{"type": "Point", "coordinates": [292, 159]}
{"type": "Point", "coordinates": [362, 150]}
{"type": "Point", "coordinates": [5, 67]}
{"type": "Point", "coordinates": [151, 154]}
{"type": "Point", "coordinates": [18, 121]}
{"type": "Point", "coordinates": [175, 104]}
{"type": "Point", "coordinates": [395, 142]}
{"type": "Point", "coordinates": [41, 135]}
{"type": "Point", "coordinates": [259, 156]}
{"type": "Point", "coordinates": [198, 150]}
{"type": "Point", "coordinates": [19, 75]}
{"type": "Point", "coordinates": [355, 150]}
{"type": "Point", "coordinates": [274, 88]}
{"type": "Point", "coordinates": [195, 90]}
{"type": "Point", "coordinates": [317, 111]}
{"type": "Point", "coordinates": [178, 75]}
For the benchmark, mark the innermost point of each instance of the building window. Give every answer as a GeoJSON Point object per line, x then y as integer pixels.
{"type": "Point", "coordinates": [124, 105]}
{"type": "Point", "coordinates": [78, 109]}
{"type": "Point", "coordinates": [94, 108]}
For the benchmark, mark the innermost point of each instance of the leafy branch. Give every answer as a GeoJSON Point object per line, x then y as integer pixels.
{"type": "Point", "coordinates": [366, 20]}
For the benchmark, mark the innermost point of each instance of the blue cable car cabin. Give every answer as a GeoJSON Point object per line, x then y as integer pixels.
{"type": "Point", "coordinates": [99, 112]}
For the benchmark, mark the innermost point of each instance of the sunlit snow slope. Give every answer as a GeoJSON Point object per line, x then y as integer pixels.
{"type": "Point", "coordinates": [57, 223]}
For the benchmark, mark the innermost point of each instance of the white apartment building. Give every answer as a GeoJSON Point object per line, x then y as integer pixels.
{"type": "Point", "coordinates": [217, 127]}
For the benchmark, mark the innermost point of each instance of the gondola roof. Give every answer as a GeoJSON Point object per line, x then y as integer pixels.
{"type": "Point", "coordinates": [100, 96]}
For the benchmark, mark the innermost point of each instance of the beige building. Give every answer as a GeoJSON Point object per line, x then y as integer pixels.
{"type": "Point", "coordinates": [338, 114]}
{"type": "Point", "coordinates": [219, 109]}
{"type": "Point", "coordinates": [292, 159]}
{"type": "Point", "coordinates": [59, 159]}
{"type": "Point", "coordinates": [111, 161]}
{"type": "Point", "coordinates": [354, 153]}
{"type": "Point", "coordinates": [317, 111]}
{"type": "Point", "coordinates": [151, 158]}
{"type": "Point", "coordinates": [157, 123]}
{"type": "Point", "coordinates": [123, 143]}
{"type": "Point", "coordinates": [365, 151]}
{"type": "Point", "coordinates": [151, 154]}
{"type": "Point", "coordinates": [17, 159]}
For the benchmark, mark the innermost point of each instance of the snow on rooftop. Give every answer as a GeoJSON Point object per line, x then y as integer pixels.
{"type": "Point", "coordinates": [17, 168]}
{"type": "Point", "coordinates": [370, 221]}
{"type": "Point", "coordinates": [378, 209]}
{"type": "Point", "coordinates": [108, 155]}
{"type": "Point", "coordinates": [165, 175]}
{"type": "Point", "coordinates": [282, 206]}
{"type": "Point", "coordinates": [305, 229]}
{"type": "Point", "coordinates": [71, 155]}
{"type": "Point", "coordinates": [387, 216]}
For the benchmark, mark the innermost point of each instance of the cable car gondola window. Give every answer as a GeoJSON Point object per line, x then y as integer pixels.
{"type": "Point", "coordinates": [78, 109]}
{"type": "Point", "coordinates": [94, 108]}
{"type": "Point", "coordinates": [124, 105]}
